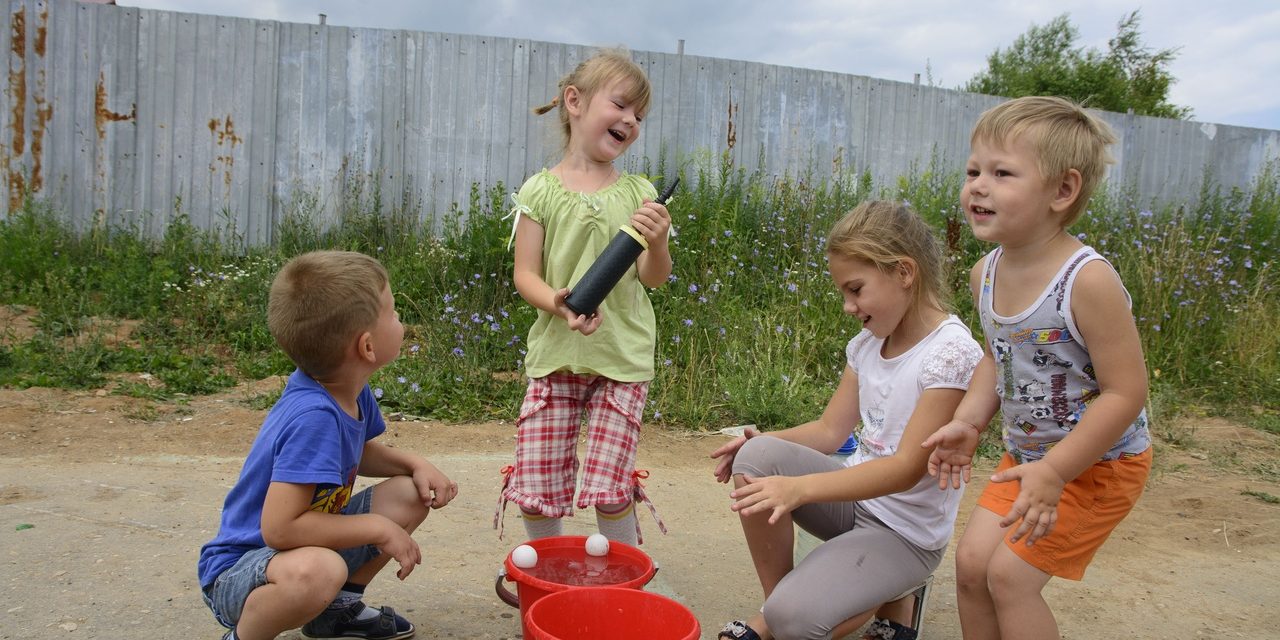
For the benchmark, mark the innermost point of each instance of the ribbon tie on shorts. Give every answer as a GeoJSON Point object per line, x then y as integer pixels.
{"type": "Point", "coordinates": [502, 501]}
{"type": "Point", "coordinates": [639, 494]}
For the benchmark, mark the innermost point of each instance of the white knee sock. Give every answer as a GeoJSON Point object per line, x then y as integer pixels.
{"type": "Point", "coordinates": [617, 521]}
{"type": "Point", "coordinates": [537, 525]}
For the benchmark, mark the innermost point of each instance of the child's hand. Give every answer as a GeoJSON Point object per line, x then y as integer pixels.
{"type": "Point", "coordinates": [952, 455]}
{"type": "Point", "coordinates": [402, 548]}
{"type": "Point", "coordinates": [653, 221]}
{"type": "Point", "coordinates": [726, 453]}
{"type": "Point", "coordinates": [434, 488]}
{"type": "Point", "coordinates": [778, 494]}
{"type": "Point", "coordinates": [1037, 503]}
{"type": "Point", "coordinates": [586, 325]}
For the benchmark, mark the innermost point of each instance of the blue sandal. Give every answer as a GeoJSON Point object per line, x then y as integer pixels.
{"type": "Point", "coordinates": [738, 630]}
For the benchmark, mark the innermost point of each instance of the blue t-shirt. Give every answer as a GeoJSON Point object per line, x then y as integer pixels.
{"type": "Point", "coordinates": [306, 439]}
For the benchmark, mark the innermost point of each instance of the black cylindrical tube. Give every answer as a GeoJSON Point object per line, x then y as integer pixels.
{"type": "Point", "coordinates": [603, 274]}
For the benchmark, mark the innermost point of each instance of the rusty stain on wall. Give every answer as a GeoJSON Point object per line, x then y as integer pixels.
{"type": "Point", "coordinates": [42, 33]}
{"type": "Point", "coordinates": [18, 93]}
{"type": "Point", "coordinates": [224, 133]}
{"type": "Point", "coordinates": [18, 113]}
{"type": "Point", "coordinates": [103, 114]}
{"type": "Point", "coordinates": [44, 113]}
{"type": "Point", "coordinates": [18, 80]}
{"type": "Point", "coordinates": [44, 110]}
{"type": "Point", "coordinates": [732, 138]}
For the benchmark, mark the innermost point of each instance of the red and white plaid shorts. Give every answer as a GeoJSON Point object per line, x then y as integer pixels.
{"type": "Point", "coordinates": [545, 474]}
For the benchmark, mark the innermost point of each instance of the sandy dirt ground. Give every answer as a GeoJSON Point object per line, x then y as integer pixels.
{"type": "Point", "coordinates": [105, 501]}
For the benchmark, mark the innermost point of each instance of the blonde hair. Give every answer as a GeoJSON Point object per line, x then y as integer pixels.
{"type": "Point", "coordinates": [319, 302]}
{"type": "Point", "coordinates": [596, 73]}
{"type": "Point", "coordinates": [886, 233]}
{"type": "Point", "coordinates": [1064, 137]}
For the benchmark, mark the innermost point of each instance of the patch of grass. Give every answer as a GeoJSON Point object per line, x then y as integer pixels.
{"type": "Point", "coordinates": [1163, 410]}
{"type": "Point", "coordinates": [46, 362]}
{"type": "Point", "coordinates": [1261, 495]}
{"type": "Point", "coordinates": [1269, 469]}
{"type": "Point", "coordinates": [1269, 422]}
{"type": "Point", "coordinates": [264, 401]}
{"type": "Point", "coordinates": [143, 412]}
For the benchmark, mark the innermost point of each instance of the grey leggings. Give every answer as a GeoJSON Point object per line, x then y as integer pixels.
{"type": "Point", "coordinates": [862, 564]}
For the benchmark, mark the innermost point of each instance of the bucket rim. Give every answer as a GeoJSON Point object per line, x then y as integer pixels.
{"type": "Point", "coordinates": [632, 596]}
{"type": "Point", "coordinates": [518, 575]}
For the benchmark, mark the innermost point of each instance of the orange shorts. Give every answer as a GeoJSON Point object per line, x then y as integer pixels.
{"type": "Point", "coordinates": [1091, 507]}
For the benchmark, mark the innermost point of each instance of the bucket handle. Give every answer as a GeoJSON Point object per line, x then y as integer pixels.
{"type": "Point", "coordinates": [503, 593]}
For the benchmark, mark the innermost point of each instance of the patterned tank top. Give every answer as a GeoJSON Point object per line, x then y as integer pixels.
{"type": "Point", "coordinates": [1044, 376]}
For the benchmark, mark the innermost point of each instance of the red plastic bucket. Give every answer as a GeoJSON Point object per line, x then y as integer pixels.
{"type": "Point", "coordinates": [609, 612]}
{"type": "Point", "coordinates": [563, 565]}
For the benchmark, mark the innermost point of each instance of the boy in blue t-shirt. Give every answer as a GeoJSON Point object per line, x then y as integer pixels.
{"type": "Point", "coordinates": [295, 547]}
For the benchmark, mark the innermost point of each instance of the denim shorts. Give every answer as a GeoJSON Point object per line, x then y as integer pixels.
{"type": "Point", "coordinates": [228, 593]}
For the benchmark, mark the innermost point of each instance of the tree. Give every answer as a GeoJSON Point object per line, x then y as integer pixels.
{"type": "Point", "coordinates": [1046, 61]}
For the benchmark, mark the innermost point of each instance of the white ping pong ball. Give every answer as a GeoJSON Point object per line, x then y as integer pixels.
{"type": "Point", "coordinates": [524, 556]}
{"type": "Point", "coordinates": [597, 545]}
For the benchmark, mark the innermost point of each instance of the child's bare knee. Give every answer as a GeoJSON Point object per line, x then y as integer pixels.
{"type": "Point", "coordinates": [1005, 583]}
{"type": "Point", "coordinates": [312, 569]}
{"type": "Point", "coordinates": [971, 569]}
{"type": "Point", "coordinates": [398, 499]}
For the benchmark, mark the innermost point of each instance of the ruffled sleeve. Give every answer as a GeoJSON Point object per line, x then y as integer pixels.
{"type": "Point", "coordinates": [853, 351]}
{"type": "Point", "coordinates": [522, 203]}
{"type": "Point", "coordinates": [949, 362]}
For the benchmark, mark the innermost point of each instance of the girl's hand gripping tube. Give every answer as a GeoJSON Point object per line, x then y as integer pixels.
{"type": "Point", "coordinates": [607, 270]}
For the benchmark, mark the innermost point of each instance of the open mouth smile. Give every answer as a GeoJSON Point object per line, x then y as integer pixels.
{"type": "Point", "coordinates": [618, 135]}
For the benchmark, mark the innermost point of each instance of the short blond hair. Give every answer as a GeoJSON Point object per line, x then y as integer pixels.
{"type": "Point", "coordinates": [1064, 135]}
{"type": "Point", "coordinates": [883, 233]}
{"type": "Point", "coordinates": [597, 73]}
{"type": "Point", "coordinates": [319, 302]}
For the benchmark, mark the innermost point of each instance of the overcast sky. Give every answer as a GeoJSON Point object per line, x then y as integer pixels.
{"type": "Point", "coordinates": [1227, 69]}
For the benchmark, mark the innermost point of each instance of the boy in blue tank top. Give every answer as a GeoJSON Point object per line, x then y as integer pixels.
{"type": "Point", "coordinates": [295, 547]}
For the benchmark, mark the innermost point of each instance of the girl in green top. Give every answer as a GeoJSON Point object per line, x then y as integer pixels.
{"type": "Point", "coordinates": [601, 363]}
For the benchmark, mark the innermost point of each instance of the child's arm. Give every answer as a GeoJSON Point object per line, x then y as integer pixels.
{"type": "Point", "coordinates": [871, 479]}
{"type": "Point", "coordinates": [289, 523]}
{"type": "Point", "coordinates": [1107, 328]}
{"type": "Point", "coordinates": [653, 222]}
{"type": "Point", "coordinates": [955, 443]}
{"type": "Point", "coordinates": [825, 434]}
{"type": "Point", "coordinates": [434, 487]}
{"type": "Point", "coordinates": [535, 290]}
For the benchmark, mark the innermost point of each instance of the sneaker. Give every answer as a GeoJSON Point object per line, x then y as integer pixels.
{"type": "Point", "coordinates": [888, 630]}
{"type": "Point", "coordinates": [344, 624]}
{"type": "Point", "coordinates": [737, 630]}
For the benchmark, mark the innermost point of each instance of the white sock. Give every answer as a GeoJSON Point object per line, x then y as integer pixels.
{"type": "Point", "coordinates": [351, 594]}
{"type": "Point", "coordinates": [538, 526]}
{"type": "Point", "coordinates": [617, 521]}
